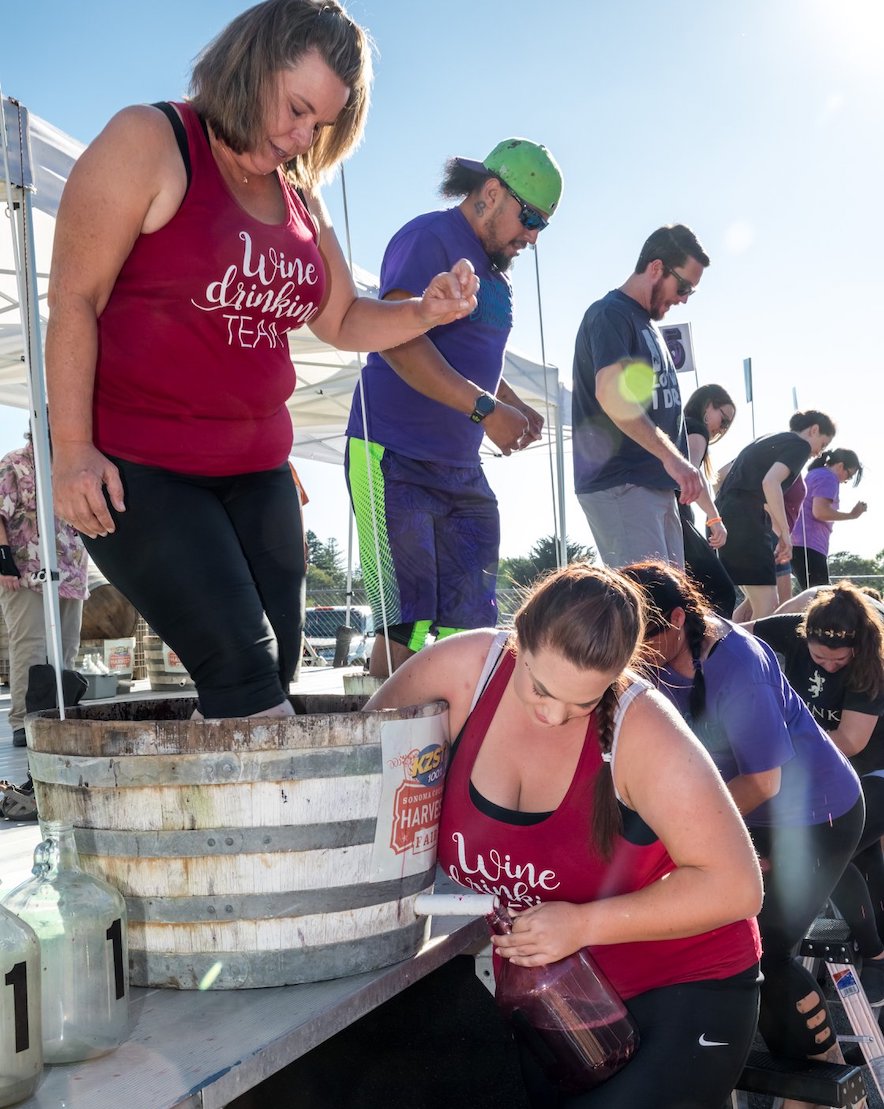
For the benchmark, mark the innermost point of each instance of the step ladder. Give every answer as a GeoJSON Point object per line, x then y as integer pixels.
{"type": "Point", "coordinates": [830, 1084]}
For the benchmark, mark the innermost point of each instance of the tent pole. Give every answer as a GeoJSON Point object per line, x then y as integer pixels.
{"type": "Point", "coordinates": [19, 190]}
{"type": "Point", "coordinates": [557, 468]}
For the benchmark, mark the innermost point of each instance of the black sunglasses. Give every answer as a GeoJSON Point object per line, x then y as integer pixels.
{"type": "Point", "coordinates": [684, 288]}
{"type": "Point", "coordinates": [529, 217]}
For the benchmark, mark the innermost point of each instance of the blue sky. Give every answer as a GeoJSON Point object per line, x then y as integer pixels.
{"type": "Point", "coordinates": [759, 124]}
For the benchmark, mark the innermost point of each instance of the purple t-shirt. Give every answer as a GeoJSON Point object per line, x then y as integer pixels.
{"type": "Point", "coordinates": [400, 417]}
{"type": "Point", "coordinates": [755, 721]}
{"type": "Point", "coordinates": [808, 531]}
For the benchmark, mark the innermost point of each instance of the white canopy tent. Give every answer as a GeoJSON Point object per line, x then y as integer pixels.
{"type": "Point", "coordinates": [326, 377]}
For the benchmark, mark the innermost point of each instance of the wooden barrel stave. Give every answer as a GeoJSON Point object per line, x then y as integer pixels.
{"type": "Point", "coordinates": [242, 866]}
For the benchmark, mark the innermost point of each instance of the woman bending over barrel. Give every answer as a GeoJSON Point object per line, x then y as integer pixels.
{"type": "Point", "coordinates": [575, 793]}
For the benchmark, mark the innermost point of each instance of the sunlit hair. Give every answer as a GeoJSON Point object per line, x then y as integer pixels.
{"type": "Point", "coordinates": [672, 245]}
{"type": "Point", "coordinates": [843, 616]}
{"type": "Point", "coordinates": [234, 79]}
{"type": "Point", "coordinates": [665, 588]}
{"type": "Point", "coordinates": [848, 459]}
{"type": "Point", "coordinates": [800, 421]}
{"type": "Point", "coordinates": [695, 409]}
{"type": "Point", "coordinates": [458, 180]}
{"type": "Point", "coordinates": [594, 618]}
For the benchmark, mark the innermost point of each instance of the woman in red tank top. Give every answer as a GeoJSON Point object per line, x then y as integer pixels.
{"type": "Point", "coordinates": [185, 249]}
{"type": "Point", "coordinates": [575, 794]}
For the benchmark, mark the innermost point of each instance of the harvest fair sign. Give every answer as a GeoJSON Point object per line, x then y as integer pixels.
{"type": "Point", "coordinates": [415, 754]}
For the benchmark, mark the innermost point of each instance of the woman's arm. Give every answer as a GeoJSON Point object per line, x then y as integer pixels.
{"type": "Point", "coordinates": [823, 509]}
{"type": "Point", "coordinates": [751, 790]}
{"type": "Point", "coordinates": [446, 671]}
{"type": "Point", "coordinates": [351, 322]}
{"type": "Point", "coordinates": [697, 446]}
{"type": "Point", "coordinates": [771, 485]}
{"type": "Point", "coordinates": [129, 181]}
{"type": "Point", "coordinates": [853, 732]}
{"type": "Point", "coordinates": [665, 775]}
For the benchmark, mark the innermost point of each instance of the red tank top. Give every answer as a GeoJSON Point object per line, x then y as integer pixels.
{"type": "Point", "coordinates": [193, 369]}
{"type": "Point", "coordinates": [554, 861]}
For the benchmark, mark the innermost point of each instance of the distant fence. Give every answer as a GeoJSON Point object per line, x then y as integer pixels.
{"type": "Point", "coordinates": [508, 599]}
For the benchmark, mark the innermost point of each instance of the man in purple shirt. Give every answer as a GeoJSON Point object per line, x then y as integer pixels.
{"type": "Point", "coordinates": [428, 523]}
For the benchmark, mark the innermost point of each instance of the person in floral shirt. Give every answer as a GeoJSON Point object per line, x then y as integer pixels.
{"type": "Point", "coordinates": [21, 591]}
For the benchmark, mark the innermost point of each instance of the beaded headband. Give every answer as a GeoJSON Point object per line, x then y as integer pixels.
{"type": "Point", "coordinates": [829, 633]}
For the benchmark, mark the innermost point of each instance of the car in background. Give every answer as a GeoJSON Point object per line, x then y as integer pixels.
{"type": "Point", "coordinates": [321, 624]}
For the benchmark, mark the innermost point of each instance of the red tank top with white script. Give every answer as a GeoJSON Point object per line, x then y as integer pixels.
{"type": "Point", "coordinates": [554, 860]}
{"type": "Point", "coordinates": [193, 369]}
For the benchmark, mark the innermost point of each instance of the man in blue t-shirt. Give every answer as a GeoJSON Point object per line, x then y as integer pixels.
{"type": "Point", "coordinates": [630, 449]}
{"type": "Point", "coordinates": [428, 523]}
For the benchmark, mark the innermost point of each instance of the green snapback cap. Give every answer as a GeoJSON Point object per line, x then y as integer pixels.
{"type": "Point", "coordinates": [528, 168]}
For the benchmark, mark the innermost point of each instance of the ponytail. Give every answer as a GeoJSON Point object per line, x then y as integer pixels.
{"type": "Point", "coordinates": [607, 822]}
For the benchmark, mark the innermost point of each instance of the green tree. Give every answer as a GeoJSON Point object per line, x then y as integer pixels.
{"type": "Point", "coordinates": [843, 564]}
{"type": "Point", "coordinates": [543, 556]}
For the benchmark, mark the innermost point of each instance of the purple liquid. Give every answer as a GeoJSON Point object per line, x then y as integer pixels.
{"type": "Point", "coordinates": [587, 1055]}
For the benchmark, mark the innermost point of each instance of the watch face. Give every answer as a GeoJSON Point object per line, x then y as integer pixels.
{"type": "Point", "coordinates": [485, 405]}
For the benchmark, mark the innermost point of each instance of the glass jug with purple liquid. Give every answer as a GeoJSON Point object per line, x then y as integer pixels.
{"type": "Point", "coordinates": [567, 1013]}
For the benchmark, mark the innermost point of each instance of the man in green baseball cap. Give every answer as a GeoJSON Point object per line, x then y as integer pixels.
{"type": "Point", "coordinates": [429, 529]}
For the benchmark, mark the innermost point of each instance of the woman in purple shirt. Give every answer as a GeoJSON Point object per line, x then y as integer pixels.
{"type": "Point", "coordinates": [812, 530]}
{"type": "Point", "coordinates": [799, 796]}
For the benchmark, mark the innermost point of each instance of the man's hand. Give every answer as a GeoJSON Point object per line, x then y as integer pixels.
{"type": "Point", "coordinates": [449, 296]}
{"type": "Point", "coordinates": [507, 428]}
{"type": "Point", "coordinates": [80, 474]}
{"type": "Point", "coordinates": [686, 477]}
{"type": "Point", "coordinates": [10, 575]}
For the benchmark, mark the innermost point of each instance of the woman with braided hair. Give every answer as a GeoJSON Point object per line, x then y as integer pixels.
{"type": "Point", "coordinates": [574, 794]}
{"type": "Point", "coordinates": [798, 794]}
{"type": "Point", "coordinates": [833, 656]}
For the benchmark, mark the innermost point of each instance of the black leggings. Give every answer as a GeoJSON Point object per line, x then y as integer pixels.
{"type": "Point", "coordinates": [859, 895]}
{"type": "Point", "coordinates": [810, 567]}
{"type": "Point", "coordinates": [704, 566]}
{"type": "Point", "coordinates": [694, 1040]}
{"type": "Point", "coordinates": [216, 567]}
{"type": "Point", "coordinates": [802, 866]}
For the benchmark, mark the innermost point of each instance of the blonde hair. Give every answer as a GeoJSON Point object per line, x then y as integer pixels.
{"type": "Point", "coordinates": [233, 79]}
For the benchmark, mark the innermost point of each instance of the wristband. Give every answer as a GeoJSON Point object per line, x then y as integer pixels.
{"type": "Point", "coordinates": [713, 520]}
{"type": "Point", "coordinates": [8, 568]}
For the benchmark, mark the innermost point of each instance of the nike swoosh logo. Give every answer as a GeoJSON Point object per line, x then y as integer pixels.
{"type": "Point", "coordinates": [703, 1042]}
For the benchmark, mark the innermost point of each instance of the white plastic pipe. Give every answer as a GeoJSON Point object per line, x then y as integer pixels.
{"type": "Point", "coordinates": [454, 904]}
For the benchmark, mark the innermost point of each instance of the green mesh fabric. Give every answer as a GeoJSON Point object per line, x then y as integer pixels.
{"type": "Point", "coordinates": [367, 494]}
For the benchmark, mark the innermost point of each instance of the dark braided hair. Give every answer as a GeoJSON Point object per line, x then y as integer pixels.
{"type": "Point", "coordinates": [594, 618]}
{"type": "Point", "coordinates": [666, 588]}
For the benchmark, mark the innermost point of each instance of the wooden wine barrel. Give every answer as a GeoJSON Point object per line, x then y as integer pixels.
{"type": "Point", "coordinates": [252, 852]}
{"type": "Point", "coordinates": [107, 614]}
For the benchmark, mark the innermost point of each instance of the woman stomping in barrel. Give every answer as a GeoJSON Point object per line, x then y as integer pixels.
{"type": "Point", "coordinates": [190, 239]}
{"type": "Point", "coordinates": [574, 793]}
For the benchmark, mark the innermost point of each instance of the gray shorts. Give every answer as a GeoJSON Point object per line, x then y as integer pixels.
{"type": "Point", "coordinates": [630, 523]}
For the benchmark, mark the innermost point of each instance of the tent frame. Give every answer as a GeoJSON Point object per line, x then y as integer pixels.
{"type": "Point", "coordinates": [18, 192]}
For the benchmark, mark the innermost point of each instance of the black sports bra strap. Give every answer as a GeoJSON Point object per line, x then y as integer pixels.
{"type": "Point", "coordinates": [180, 134]}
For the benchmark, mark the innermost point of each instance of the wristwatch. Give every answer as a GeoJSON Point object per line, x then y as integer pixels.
{"type": "Point", "coordinates": [485, 405]}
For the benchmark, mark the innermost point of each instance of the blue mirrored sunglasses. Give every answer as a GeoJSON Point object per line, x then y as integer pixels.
{"type": "Point", "coordinates": [529, 217]}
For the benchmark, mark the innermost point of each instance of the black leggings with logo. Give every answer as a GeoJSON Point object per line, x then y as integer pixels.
{"type": "Point", "coordinates": [694, 1041]}
{"type": "Point", "coordinates": [216, 567]}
